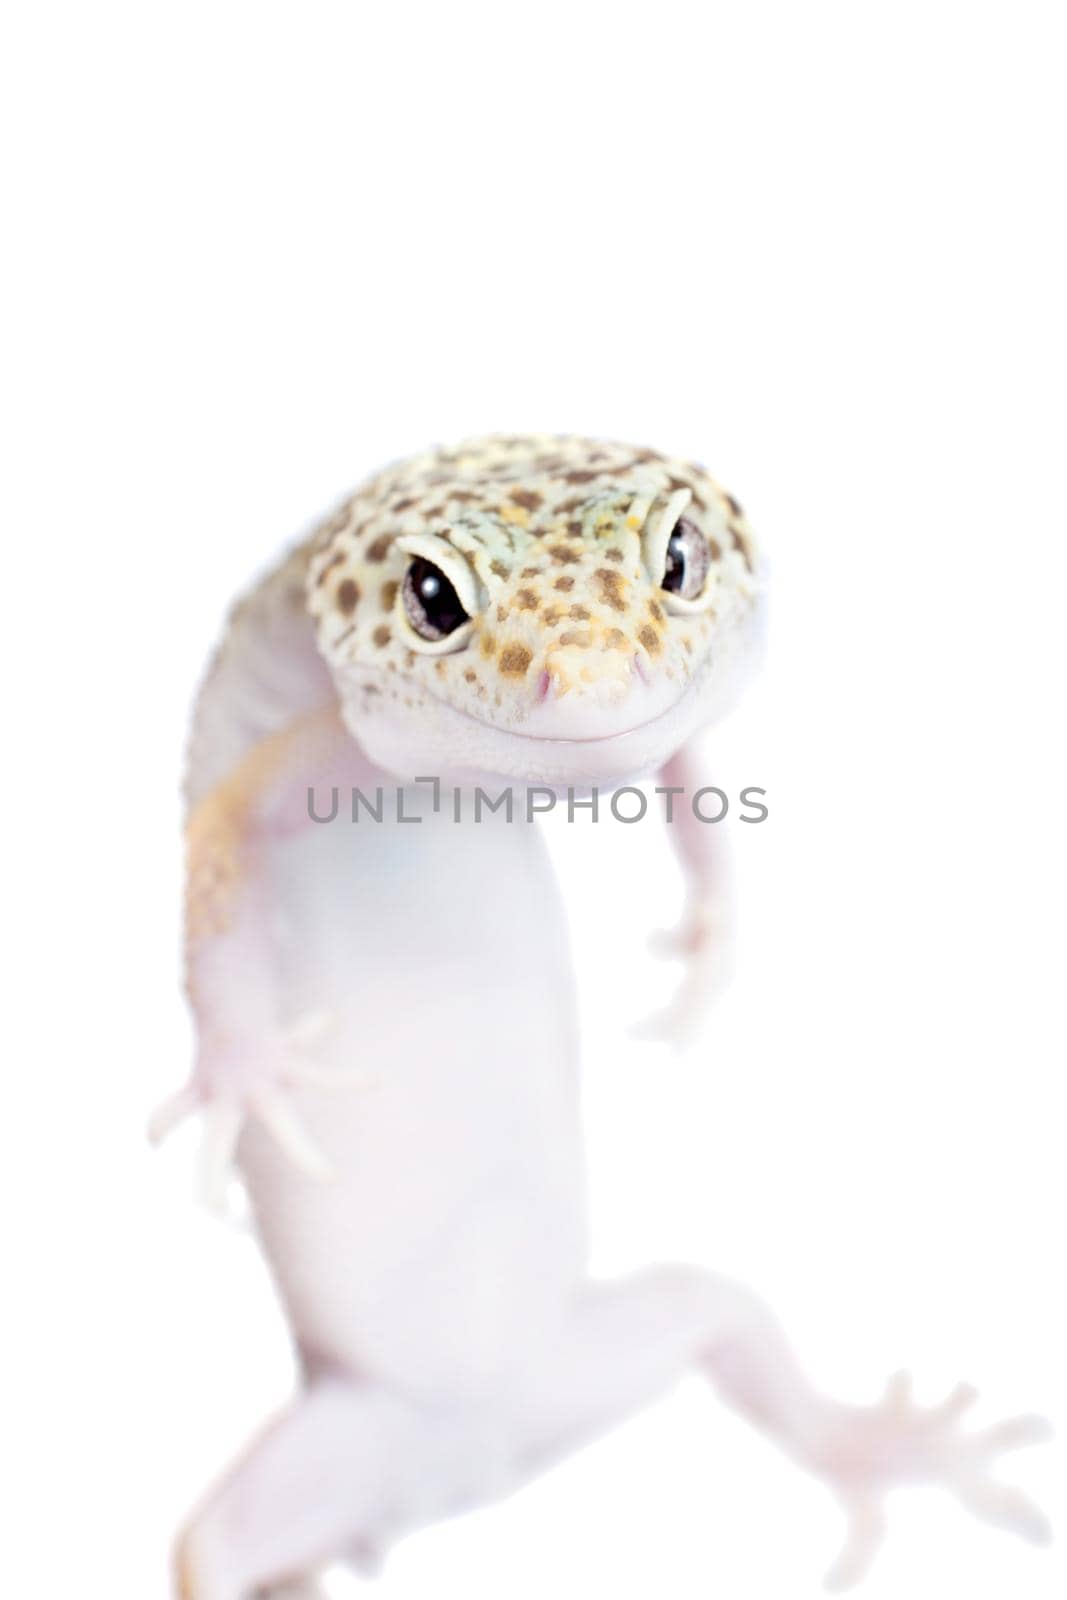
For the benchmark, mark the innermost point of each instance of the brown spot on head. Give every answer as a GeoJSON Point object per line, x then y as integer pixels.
{"type": "Point", "coordinates": [564, 555]}
{"type": "Point", "coordinates": [579, 613]}
{"type": "Point", "coordinates": [488, 645]}
{"type": "Point", "coordinates": [402, 505]}
{"type": "Point", "coordinates": [577, 636]}
{"type": "Point", "coordinates": [579, 475]}
{"type": "Point", "coordinates": [347, 596]}
{"type": "Point", "coordinates": [615, 638]}
{"type": "Point", "coordinates": [614, 554]}
{"type": "Point", "coordinates": [379, 548]}
{"type": "Point", "coordinates": [611, 588]}
{"type": "Point", "coordinates": [529, 499]}
{"type": "Point", "coordinates": [382, 635]}
{"type": "Point", "coordinates": [551, 615]}
{"type": "Point", "coordinates": [526, 600]}
{"type": "Point", "coordinates": [502, 613]}
{"type": "Point", "coordinates": [655, 610]}
{"type": "Point", "coordinates": [498, 568]}
{"type": "Point", "coordinates": [389, 594]}
{"type": "Point", "coordinates": [564, 585]}
{"type": "Point", "coordinates": [650, 639]}
{"type": "Point", "coordinates": [514, 660]}
{"type": "Point", "coordinates": [470, 676]}
{"type": "Point", "coordinates": [530, 572]}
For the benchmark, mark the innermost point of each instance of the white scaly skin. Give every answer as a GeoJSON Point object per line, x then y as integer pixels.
{"type": "Point", "coordinates": [412, 1156]}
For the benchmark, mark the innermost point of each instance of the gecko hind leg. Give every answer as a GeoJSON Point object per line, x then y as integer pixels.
{"type": "Point", "coordinates": [627, 1343]}
{"type": "Point", "coordinates": [336, 1472]}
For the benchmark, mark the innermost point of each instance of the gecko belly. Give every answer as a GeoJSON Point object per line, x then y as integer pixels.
{"type": "Point", "coordinates": [445, 1245]}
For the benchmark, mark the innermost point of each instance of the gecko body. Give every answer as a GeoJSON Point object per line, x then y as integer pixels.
{"type": "Point", "coordinates": [386, 1015]}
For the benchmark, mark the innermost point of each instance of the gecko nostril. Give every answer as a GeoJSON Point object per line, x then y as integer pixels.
{"type": "Point", "coordinates": [544, 684]}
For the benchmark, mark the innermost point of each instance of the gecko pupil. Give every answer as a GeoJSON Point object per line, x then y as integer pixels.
{"type": "Point", "coordinates": [432, 605]}
{"type": "Point", "coordinates": [674, 572]}
{"type": "Point", "coordinates": [688, 558]}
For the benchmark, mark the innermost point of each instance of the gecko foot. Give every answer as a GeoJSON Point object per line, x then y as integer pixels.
{"type": "Point", "coordinates": [701, 942]}
{"type": "Point", "coordinates": [237, 1083]}
{"type": "Point", "coordinates": [898, 1442]}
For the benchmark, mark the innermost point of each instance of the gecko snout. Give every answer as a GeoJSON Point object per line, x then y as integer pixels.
{"type": "Point", "coordinates": [605, 677]}
{"type": "Point", "coordinates": [582, 693]}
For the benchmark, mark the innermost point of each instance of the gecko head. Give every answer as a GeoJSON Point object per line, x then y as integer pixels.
{"type": "Point", "coordinates": [543, 609]}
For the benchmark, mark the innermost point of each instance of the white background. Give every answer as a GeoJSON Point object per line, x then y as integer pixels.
{"type": "Point", "coordinates": [255, 250]}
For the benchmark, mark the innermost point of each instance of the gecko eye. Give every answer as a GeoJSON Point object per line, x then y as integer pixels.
{"type": "Point", "coordinates": [431, 603]}
{"type": "Point", "coordinates": [687, 561]}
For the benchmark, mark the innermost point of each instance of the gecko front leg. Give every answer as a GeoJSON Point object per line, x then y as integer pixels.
{"type": "Point", "coordinates": [702, 939]}
{"type": "Point", "coordinates": [249, 1057]}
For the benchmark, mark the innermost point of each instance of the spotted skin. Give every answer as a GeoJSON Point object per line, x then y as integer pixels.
{"type": "Point", "coordinates": [552, 529]}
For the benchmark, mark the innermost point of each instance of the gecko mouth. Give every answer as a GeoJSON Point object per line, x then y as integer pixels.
{"type": "Point", "coordinates": [665, 712]}
{"type": "Point", "coordinates": [455, 740]}
{"type": "Point", "coordinates": [578, 739]}
{"type": "Point", "coordinates": [559, 742]}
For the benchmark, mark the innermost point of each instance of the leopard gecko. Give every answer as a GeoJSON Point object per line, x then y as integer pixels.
{"type": "Point", "coordinates": [386, 1014]}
